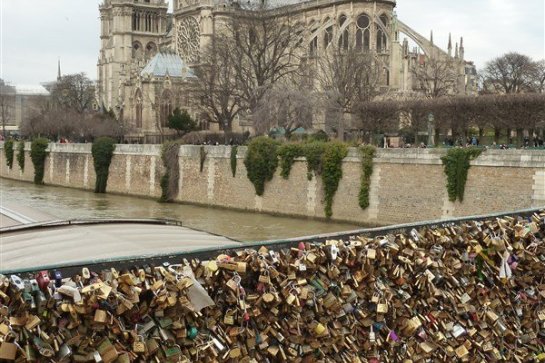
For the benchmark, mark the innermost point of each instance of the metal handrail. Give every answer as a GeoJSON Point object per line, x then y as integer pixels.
{"type": "Point", "coordinates": [127, 262]}
{"type": "Point", "coordinates": [88, 221]}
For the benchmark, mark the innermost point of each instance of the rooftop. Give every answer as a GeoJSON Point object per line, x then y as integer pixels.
{"type": "Point", "coordinates": [166, 63]}
{"type": "Point", "coordinates": [31, 90]}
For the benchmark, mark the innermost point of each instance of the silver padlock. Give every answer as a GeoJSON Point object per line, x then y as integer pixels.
{"type": "Point", "coordinates": [17, 282]}
{"type": "Point", "coordinates": [64, 353]}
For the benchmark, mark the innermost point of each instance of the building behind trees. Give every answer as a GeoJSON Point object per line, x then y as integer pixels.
{"type": "Point", "coordinates": [150, 60]}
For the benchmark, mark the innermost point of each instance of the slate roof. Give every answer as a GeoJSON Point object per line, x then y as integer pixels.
{"type": "Point", "coordinates": [31, 90]}
{"type": "Point", "coordinates": [166, 63]}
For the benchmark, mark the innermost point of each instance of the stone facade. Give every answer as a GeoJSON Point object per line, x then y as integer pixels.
{"type": "Point", "coordinates": [134, 30]}
{"type": "Point", "coordinates": [406, 185]}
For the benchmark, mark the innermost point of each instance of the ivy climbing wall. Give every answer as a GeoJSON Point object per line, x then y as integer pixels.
{"type": "Point", "coordinates": [406, 184]}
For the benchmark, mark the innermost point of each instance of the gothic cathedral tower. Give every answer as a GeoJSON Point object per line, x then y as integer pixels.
{"type": "Point", "coordinates": [131, 31]}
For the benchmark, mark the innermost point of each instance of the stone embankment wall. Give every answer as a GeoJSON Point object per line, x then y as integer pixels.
{"type": "Point", "coordinates": [407, 185]}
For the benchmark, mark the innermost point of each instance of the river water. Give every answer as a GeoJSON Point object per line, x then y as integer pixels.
{"type": "Point", "coordinates": [66, 203]}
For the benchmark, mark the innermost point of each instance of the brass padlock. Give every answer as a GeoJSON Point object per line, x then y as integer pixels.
{"type": "Point", "coordinates": [229, 318]}
{"type": "Point", "coordinates": [152, 346]}
{"type": "Point", "coordinates": [265, 277]}
{"type": "Point", "coordinates": [139, 346]}
{"type": "Point", "coordinates": [100, 316]}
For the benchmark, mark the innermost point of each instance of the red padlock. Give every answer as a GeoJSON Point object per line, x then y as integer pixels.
{"type": "Point", "coordinates": [42, 278]}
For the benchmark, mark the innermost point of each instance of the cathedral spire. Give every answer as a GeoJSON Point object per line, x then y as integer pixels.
{"type": "Point", "coordinates": [59, 70]}
{"type": "Point", "coordinates": [431, 36]}
{"type": "Point", "coordinates": [456, 51]}
{"type": "Point", "coordinates": [449, 45]}
{"type": "Point", "coordinates": [462, 48]}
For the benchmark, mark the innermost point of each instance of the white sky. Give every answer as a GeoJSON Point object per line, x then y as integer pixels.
{"type": "Point", "coordinates": [36, 33]}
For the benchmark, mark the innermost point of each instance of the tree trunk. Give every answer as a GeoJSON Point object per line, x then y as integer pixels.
{"type": "Point", "coordinates": [226, 126]}
{"type": "Point", "coordinates": [436, 137]}
{"type": "Point", "coordinates": [520, 137]}
{"type": "Point", "coordinates": [497, 134]}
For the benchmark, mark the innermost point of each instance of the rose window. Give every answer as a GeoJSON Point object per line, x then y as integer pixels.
{"type": "Point", "coordinates": [188, 39]}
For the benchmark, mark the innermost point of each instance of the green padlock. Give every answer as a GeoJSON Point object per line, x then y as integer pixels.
{"type": "Point", "coordinates": [192, 332]}
{"type": "Point", "coordinates": [172, 353]}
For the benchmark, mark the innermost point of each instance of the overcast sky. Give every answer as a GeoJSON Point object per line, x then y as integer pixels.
{"type": "Point", "coordinates": [36, 33]}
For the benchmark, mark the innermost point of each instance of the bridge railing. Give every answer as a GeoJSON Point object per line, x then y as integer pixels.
{"type": "Point", "coordinates": [128, 262]}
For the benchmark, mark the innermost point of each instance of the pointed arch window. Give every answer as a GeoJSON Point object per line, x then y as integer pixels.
{"type": "Point", "coordinates": [138, 109]}
{"type": "Point", "coordinates": [137, 50]}
{"type": "Point", "coordinates": [166, 107]}
{"type": "Point", "coordinates": [384, 20]}
{"type": "Point", "coordinates": [328, 36]}
{"type": "Point", "coordinates": [363, 33]}
{"type": "Point", "coordinates": [151, 49]}
{"type": "Point", "coordinates": [343, 38]}
{"type": "Point", "coordinates": [313, 45]}
{"type": "Point", "coordinates": [382, 41]}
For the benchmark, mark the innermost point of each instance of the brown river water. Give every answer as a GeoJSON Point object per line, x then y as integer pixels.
{"type": "Point", "coordinates": [66, 203]}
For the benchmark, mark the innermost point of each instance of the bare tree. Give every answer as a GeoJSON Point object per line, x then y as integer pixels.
{"type": "Point", "coordinates": [7, 101]}
{"type": "Point", "coordinates": [417, 114]}
{"type": "Point", "coordinates": [255, 48]}
{"type": "Point", "coordinates": [217, 88]}
{"type": "Point", "coordinates": [285, 105]}
{"type": "Point", "coordinates": [539, 76]}
{"type": "Point", "coordinates": [510, 73]}
{"type": "Point", "coordinates": [434, 76]}
{"type": "Point", "coordinates": [379, 116]}
{"type": "Point", "coordinates": [347, 77]}
{"type": "Point", "coordinates": [55, 123]}
{"type": "Point", "coordinates": [265, 47]}
{"type": "Point", "coordinates": [75, 92]}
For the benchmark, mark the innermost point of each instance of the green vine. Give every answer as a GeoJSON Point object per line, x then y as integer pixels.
{"type": "Point", "coordinates": [261, 162]}
{"type": "Point", "coordinates": [21, 155]}
{"type": "Point", "coordinates": [367, 153]}
{"type": "Point", "coordinates": [8, 150]}
{"type": "Point", "coordinates": [38, 152]}
{"type": "Point", "coordinates": [102, 151]}
{"type": "Point", "coordinates": [234, 152]}
{"type": "Point", "coordinates": [170, 180]}
{"type": "Point", "coordinates": [313, 153]}
{"type": "Point", "coordinates": [288, 153]}
{"type": "Point", "coordinates": [456, 164]}
{"type": "Point", "coordinates": [203, 154]}
{"type": "Point", "coordinates": [332, 171]}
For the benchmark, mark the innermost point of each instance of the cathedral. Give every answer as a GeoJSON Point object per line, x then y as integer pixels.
{"type": "Point", "coordinates": [147, 53]}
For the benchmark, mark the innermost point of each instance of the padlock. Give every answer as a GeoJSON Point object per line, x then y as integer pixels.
{"type": "Point", "coordinates": [44, 348]}
{"type": "Point", "coordinates": [152, 346]}
{"type": "Point", "coordinates": [264, 277]}
{"type": "Point", "coordinates": [42, 279]}
{"type": "Point", "coordinates": [138, 345]}
{"type": "Point", "coordinates": [172, 353]}
{"type": "Point", "coordinates": [100, 316]}
{"type": "Point", "coordinates": [229, 318]}
{"type": "Point", "coordinates": [17, 282]}
{"type": "Point", "coordinates": [30, 353]}
{"type": "Point", "coordinates": [64, 353]}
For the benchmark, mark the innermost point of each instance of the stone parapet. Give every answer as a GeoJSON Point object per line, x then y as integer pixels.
{"type": "Point", "coordinates": [407, 185]}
